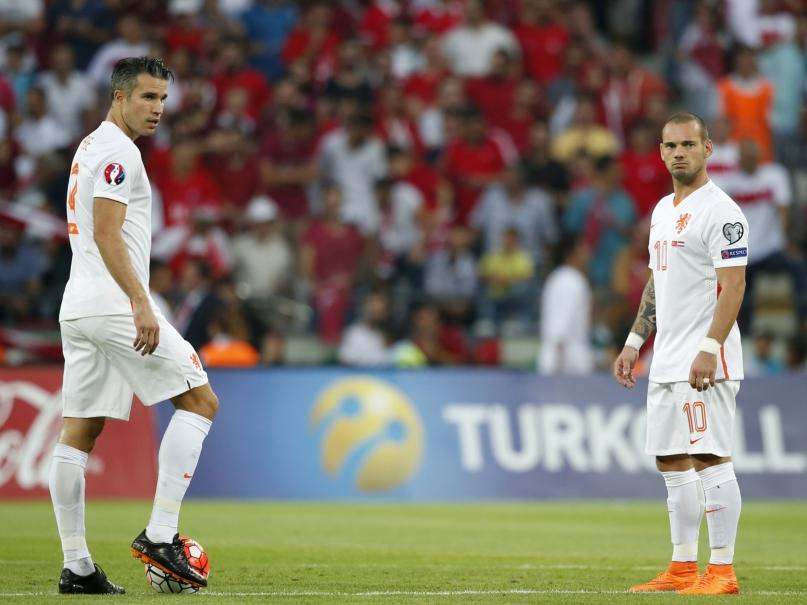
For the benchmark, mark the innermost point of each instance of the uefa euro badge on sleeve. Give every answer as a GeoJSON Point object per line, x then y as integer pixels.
{"type": "Point", "coordinates": [733, 232]}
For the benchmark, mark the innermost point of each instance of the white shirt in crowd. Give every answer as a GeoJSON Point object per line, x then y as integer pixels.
{"type": "Point", "coordinates": [688, 242]}
{"type": "Point", "coordinates": [263, 264]}
{"type": "Point", "coordinates": [363, 345]}
{"type": "Point", "coordinates": [107, 164]}
{"type": "Point", "coordinates": [469, 50]}
{"type": "Point", "coordinates": [760, 196]}
{"type": "Point", "coordinates": [110, 53]}
{"type": "Point", "coordinates": [355, 171]}
{"type": "Point", "coordinates": [68, 100]}
{"type": "Point", "coordinates": [566, 323]}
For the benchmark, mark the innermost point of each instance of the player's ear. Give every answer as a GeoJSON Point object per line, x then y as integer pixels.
{"type": "Point", "coordinates": [707, 145]}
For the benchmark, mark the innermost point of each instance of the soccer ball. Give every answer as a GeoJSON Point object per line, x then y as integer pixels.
{"type": "Point", "coordinates": [197, 557]}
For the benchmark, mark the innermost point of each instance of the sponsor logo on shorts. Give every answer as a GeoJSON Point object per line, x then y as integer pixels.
{"type": "Point", "coordinates": [733, 253]}
{"type": "Point", "coordinates": [694, 441]}
{"type": "Point", "coordinates": [114, 173]}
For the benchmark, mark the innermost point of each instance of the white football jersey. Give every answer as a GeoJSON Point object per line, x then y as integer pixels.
{"type": "Point", "coordinates": [688, 241]}
{"type": "Point", "coordinates": [107, 164]}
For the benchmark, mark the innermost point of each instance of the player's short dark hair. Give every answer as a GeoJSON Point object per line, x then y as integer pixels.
{"type": "Point", "coordinates": [683, 117]}
{"type": "Point", "coordinates": [125, 72]}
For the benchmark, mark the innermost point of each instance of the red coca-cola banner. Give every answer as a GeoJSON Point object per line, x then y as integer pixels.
{"type": "Point", "coordinates": [123, 464]}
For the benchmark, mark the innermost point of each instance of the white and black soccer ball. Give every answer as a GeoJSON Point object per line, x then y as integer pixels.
{"type": "Point", "coordinates": [162, 582]}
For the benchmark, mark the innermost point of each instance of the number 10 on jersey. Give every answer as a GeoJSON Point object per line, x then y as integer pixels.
{"type": "Point", "coordinates": [661, 255]}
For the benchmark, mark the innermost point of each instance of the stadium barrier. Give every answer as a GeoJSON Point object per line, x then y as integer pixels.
{"type": "Point", "coordinates": [337, 434]}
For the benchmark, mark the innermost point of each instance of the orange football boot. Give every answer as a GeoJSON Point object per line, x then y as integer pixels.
{"type": "Point", "coordinates": [679, 575]}
{"type": "Point", "coordinates": [718, 579]}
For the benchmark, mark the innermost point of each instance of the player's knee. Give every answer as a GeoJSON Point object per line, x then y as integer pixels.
{"type": "Point", "coordinates": [210, 405]}
{"type": "Point", "coordinates": [201, 401]}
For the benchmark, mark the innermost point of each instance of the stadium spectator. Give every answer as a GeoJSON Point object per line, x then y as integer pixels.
{"type": "Point", "coordinates": [131, 42]}
{"type": "Point", "coordinates": [233, 163]}
{"type": "Point", "coordinates": [160, 285]}
{"type": "Point", "coordinates": [450, 277]}
{"type": "Point", "coordinates": [603, 214]}
{"type": "Point", "coordinates": [644, 176]}
{"type": "Point", "coordinates": [354, 159]}
{"type": "Point", "coordinates": [725, 156]}
{"type": "Point", "coordinates": [796, 354]}
{"type": "Point", "coordinates": [469, 48]}
{"type": "Point", "coordinates": [39, 133]}
{"type": "Point", "coordinates": [511, 203]}
{"type": "Point", "coordinates": [702, 57]}
{"type": "Point", "coordinates": [262, 258]}
{"type": "Point", "coordinates": [439, 342]}
{"type": "Point", "coordinates": [394, 126]}
{"type": "Point", "coordinates": [21, 269]}
{"type": "Point", "coordinates": [471, 163]}
{"type": "Point", "coordinates": [630, 86]}
{"type": "Point", "coordinates": [314, 42]}
{"type": "Point", "coordinates": [197, 304]}
{"type": "Point", "coordinates": [20, 21]}
{"type": "Point", "coordinates": [229, 346]}
{"type": "Point", "coordinates": [365, 342]}
{"type": "Point", "coordinates": [434, 121]}
{"type": "Point", "coordinates": [629, 276]}
{"type": "Point", "coordinates": [495, 91]}
{"type": "Point", "coordinates": [746, 99]}
{"type": "Point", "coordinates": [331, 262]}
{"type": "Point", "coordinates": [231, 72]}
{"type": "Point", "coordinates": [267, 25]}
{"type": "Point", "coordinates": [540, 169]}
{"type": "Point", "coordinates": [543, 40]}
{"type": "Point", "coordinates": [762, 361]}
{"type": "Point", "coordinates": [70, 98]}
{"type": "Point", "coordinates": [584, 134]}
{"type": "Point", "coordinates": [507, 297]}
{"type": "Point", "coordinates": [421, 87]}
{"type": "Point", "coordinates": [401, 211]}
{"type": "Point", "coordinates": [20, 73]}
{"type": "Point", "coordinates": [406, 57]}
{"type": "Point", "coordinates": [84, 25]}
{"type": "Point", "coordinates": [764, 195]}
{"type": "Point", "coordinates": [566, 307]}
{"type": "Point", "coordinates": [782, 63]}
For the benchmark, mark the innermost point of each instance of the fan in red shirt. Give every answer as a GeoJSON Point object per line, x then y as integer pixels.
{"type": "Point", "coordinates": [422, 87]}
{"type": "Point", "coordinates": [186, 185]}
{"type": "Point", "coordinates": [471, 163]}
{"type": "Point", "coordinates": [392, 124]}
{"type": "Point", "coordinates": [331, 257]}
{"type": "Point", "coordinates": [644, 175]}
{"type": "Point", "coordinates": [315, 41]}
{"type": "Point", "coordinates": [232, 73]}
{"type": "Point", "coordinates": [542, 39]}
{"type": "Point", "coordinates": [233, 164]}
{"type": "Point", "coordinates": [494, 92]}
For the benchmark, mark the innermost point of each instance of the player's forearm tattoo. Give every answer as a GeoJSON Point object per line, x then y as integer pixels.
{"type": "Point", "coordinates": [646, 317]}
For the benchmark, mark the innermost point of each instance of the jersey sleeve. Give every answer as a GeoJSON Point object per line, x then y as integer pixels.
{"type": "Point", "coordinates": [116, 174]}
{"type": "Point", "coordinates": [727, 236]}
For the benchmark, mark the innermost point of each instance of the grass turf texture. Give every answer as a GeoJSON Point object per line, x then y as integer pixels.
{"type": "Point", "coordinates": [390, 554]}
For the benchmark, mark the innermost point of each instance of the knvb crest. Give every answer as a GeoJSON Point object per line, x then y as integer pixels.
{"type": "Point", "coordinates": [682, 222]}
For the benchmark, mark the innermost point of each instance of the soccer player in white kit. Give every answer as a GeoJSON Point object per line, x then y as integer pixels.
{"type": "Point", "coordinates": [116, 342]}
{"type": "Point", "coordinates": [698, 252]}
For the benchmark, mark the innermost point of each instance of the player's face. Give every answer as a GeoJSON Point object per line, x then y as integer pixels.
{"type": "Point", "coordinates": [143, 108]}
{"type": "Point", "coordinates": [684, 151]}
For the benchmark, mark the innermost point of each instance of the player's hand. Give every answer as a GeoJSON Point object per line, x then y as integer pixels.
{"type": "Point", "coordinates": [147, 329]}
{"type": "Point", "coordinates": [623, 367]}
{"type": "Point", "coordinates": [702, 372]}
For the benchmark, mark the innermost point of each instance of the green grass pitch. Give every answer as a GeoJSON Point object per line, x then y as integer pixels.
{"type": "Point", "coordinates": [269, 552]}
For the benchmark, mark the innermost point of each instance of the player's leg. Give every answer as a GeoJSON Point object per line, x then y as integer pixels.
{"type": "Point", "coordinates": [179, 454]}
{"type": "Point", "coordinates": [665, 440]}
{"type": "Point", "coordinates": [91, 391]}
{"type": "Point", "coordinates": [172, 372]}
{"type": "Point", "coordinates": [721, 491]}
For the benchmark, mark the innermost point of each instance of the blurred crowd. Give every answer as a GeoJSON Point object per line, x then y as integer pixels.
{"type": "Point", "coordinates": [409, 182]}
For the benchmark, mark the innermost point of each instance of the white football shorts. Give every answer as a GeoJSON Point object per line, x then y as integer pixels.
{"type": "Point", "coordinates": [102, 370]}
{"type": "Point", "coordinates": [680, 420]}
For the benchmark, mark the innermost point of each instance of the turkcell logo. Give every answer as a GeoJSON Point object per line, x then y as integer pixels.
{"type": "Point", "coordinates": [733, 253]}
{"type": "Point", "coordinates": [368, 431]}
{"type": "Point", "coordinates": [592, 439]}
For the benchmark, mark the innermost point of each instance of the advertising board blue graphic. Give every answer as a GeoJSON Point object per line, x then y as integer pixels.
{"type": "Point", "coordinates": [468, 435]}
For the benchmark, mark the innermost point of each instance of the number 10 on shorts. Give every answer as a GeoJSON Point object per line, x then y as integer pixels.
{"type": "Point", "coordinates": [696, 416]}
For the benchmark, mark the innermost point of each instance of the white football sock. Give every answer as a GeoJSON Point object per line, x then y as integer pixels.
{"type": "Point", "coordinates": [66, 483]}
{"type": "Point", "coordinates": [179, 453]}
{"type": "Point", "coordinates": [723, 505]}
{"type": "Point", "coordinates": [685, 506]}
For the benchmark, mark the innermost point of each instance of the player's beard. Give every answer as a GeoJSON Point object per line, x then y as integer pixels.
{"type": "Point", "coordinates": [685, 177]}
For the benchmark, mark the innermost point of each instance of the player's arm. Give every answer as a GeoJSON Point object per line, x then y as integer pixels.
{"type": "Point", "coordinates": [108, 216]}
{"type": "Point", "coordinates": [643, 327]}
{"type": "Point", "coordinates": [732, 289]}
